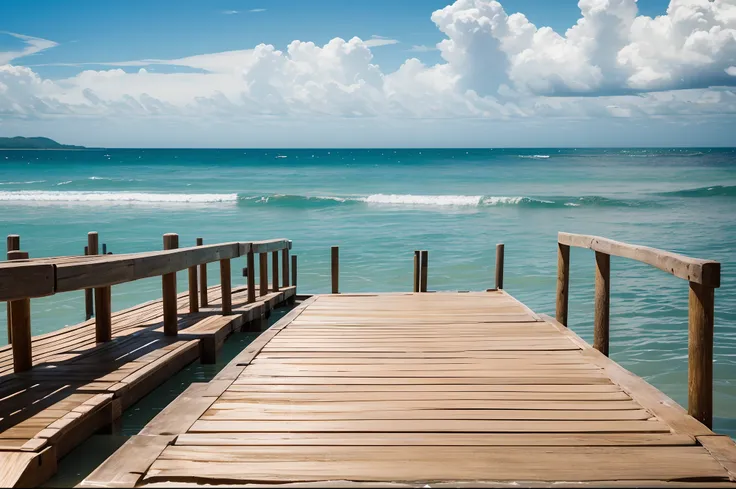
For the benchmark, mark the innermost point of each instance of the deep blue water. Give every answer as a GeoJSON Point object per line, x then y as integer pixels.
{"type": "Point", "coordinates": [379, 205]}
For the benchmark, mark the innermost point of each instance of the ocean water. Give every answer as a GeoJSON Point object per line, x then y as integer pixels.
{"type": "Point", "coordinates": [379, 205]}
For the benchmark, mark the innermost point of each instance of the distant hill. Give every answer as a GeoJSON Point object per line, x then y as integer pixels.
{"type": "Point", "coordinates": [34, 143]}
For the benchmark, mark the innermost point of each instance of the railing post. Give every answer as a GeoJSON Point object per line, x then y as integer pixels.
{"type": "Point", "coordinates": [417, 263]}
{"type": "Point", "coordinates": [251, 279]}
{"type": "Point", "coordinates": [424, 266]}
{"type": "Point", "coordinates": [20, 325]}
{"type": "Point", "coordinates": [293, 270]}
{"type": "Point", "coordinates": [202, 280]}
{"type": "Point", "coordinates": [563, 282]}
{"type": "Point", "coordinates": [700, 353]}
{"type": "Point", "coordinates": [89, 308]}
{"type": "Point", "coordinates": [499, 266]}
{"type": "Point", "coordinates": [275, 270]}
{"type": "Point", "coordinates": [602, 302]}
{"type": "Point", "coordinates": [263, 269]}
{"type": "Point", "coordinates": [335, 269]}
{"type": "Point", "coordinates": [285, 266]}
{"type": "Point", "coordinates": [13, 242]}
{"type": "Point", "coordinates": [168, 286]}
{"type": "Point", "coordinates": [226, 287]}
{"type": "Point", "coordinates": [103, 297]}
{"type": "Point", "coordinates": [193, 279]}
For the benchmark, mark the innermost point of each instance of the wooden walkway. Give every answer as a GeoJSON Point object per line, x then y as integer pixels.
{"type": "Point", "coordinates": [414, 389]}
{"type": "Point", "coordinates": [78, 385]}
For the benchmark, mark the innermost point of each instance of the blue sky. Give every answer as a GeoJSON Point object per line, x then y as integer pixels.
{"type": "Point", "coordinates": [595, 76]}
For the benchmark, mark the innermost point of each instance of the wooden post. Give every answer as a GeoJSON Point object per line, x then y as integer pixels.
{"type": "Point", "coordinates": [251, 264]}
{"type": "Point", "coordinates": [424, 259]}
{"type": "Point", "coordinates": [275, 270]}
{"type": "Point", "coordinates": [89, 308]}
{"type": "Point", "coordinates": [335, 267]}
{"type": "Point", "coordinates": [168, 286]}
{"type": "Point", "coordinates": [193, 280]}
{"type": "Point", "coordinates": [263, 269]}
{"type": "Point", "coordinates": [293, 270]}
{"type": "Point", "coordinates": [103, 297]}
{"type": "Point", "coordinates": [285, 267]}
{"type": "Point", "coordinates": [602, 302]}
{"type": "Point", "coordinates": [499, 266]}
{"type": "Point", "coordinates": [417, 266]}
{"type": "Point", "coordinates": [226, 287]}
{"type": "Point", "coordinates": [563, 282]}
{"type": "Point", "coordinates": [104, 248]}
{"type": "Point", "coordinates": [202, 280]}
{"type": "Point", "coordinates": [700, 353]}
{"type": "Point", "coordinates": [20, 325]}
{"type": "Point", "coordinates": [13, 242]}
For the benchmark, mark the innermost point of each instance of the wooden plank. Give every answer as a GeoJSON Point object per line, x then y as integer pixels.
{"type": "Point", "coordinates": [433, 439]}
{"type": "Point", "coordinates": [704, 272]}
{"type": "Point", "coordinates": [270, 245]}
{"type": "Point", "coordinates": [723, 449]}
{"type": "Point", "coordinates": [282, 464]}
{"type": "Point", "coordinates": [437, 426]}
{"type": "Point", "coordinates": [179, 416]}
{"type": "Point", "coordinates": [125, 467]}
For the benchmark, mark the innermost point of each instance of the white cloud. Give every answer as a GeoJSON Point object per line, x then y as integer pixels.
{"type": "Point", "coordinates": [256, 10]}
{"type": "Point", "coordinates": [230, 12]}
{"type": "Point", "coordinates": [33, 45]}
{"type": "Point", "coordinates": [377, 41]}
{"type": "Point", "coordinates": [495, 67]}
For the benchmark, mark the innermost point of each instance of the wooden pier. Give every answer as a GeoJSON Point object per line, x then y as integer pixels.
{"type": "Point", "coordinates": [58, 388]}
{"type": "Point", "coordinates": [442, 388]}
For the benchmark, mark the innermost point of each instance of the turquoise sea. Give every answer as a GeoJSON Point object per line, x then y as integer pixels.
{"type": "Point", "coordinates": [379, 205]}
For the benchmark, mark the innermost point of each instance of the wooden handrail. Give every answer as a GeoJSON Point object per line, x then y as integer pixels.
{"type": "Point", "coordinates": [704, 272]}
{"type": "Point", "coordinates": [47, 276]}
{"type": "Point", "coordinates": [704, 277]}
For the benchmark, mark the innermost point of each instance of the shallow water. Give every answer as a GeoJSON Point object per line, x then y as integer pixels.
{"type": "Point", "coordinates": [380, 205]}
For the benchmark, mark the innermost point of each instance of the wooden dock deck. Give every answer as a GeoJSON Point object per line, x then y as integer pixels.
{"type": "Point", "coordinates": [58, 388]}
{"type": "Point", "coordinates": [421, 388]}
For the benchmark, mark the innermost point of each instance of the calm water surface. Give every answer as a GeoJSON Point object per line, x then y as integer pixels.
{"type": "Point", "coordinates": [380, 205]}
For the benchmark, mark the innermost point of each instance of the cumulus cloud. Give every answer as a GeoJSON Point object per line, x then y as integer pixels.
{"type": "Point", "coordinates": [612, 63]}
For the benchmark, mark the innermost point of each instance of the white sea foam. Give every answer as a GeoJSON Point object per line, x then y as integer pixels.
{"type": "Point", "coordinates": [66, 182]}
{"type": "Point", "coordinates": [440, 200]}
{"type": "Point", "coordinates": [22, 183]}
{"type": "Point", "coordinates": [115, 197]}
{"type": "Point", "coordinates": [535, 157]}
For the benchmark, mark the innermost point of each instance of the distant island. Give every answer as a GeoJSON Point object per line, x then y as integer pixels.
{"type": "Point", "coordinates": [34, 143]}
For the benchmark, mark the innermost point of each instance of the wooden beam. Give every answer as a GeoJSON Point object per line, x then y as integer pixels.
{"type": "Point", "coordinates": [700, 353]}
{"type": "Point", "coordinates": [102, 297]}
{"type": "Point", "coordinates": [13, 243]}
{"type": "Point", "coordinates": [20, 325]}
{"type": "Point", "coordinates": [202, 279]}
{"type": "Point", "coordinates": [285, 267]}
{"type": "Point", "coordinates": [335, 269]}
{"type": "Point", "coordinates": [424, 269]}
{"type": "Point", "coordinates": [499, 266]}
{"type": "Point", "coordinates": [226, 287]}
{"type": "Point", "coordinates": [168, 285]}
{"type": "Point", "coordinates": [704, 272]}
{"type": "Point", "coordinates": [417, 272]}
{"type": "Point", "coordinates": [118, 269]}
{"type": "Point", "coordinates": [193, 292]}
{"type": "Point", "coordinates": [263, 269]}
{"type": "Point", "coordinates": [270, 245]}
{"type": "Point", "coordinates": [22, 280]}
{"type": "Point", "coordinates": [293, 270]}
{"type": "Point", "coordinates": [251, 279]}
{"type": "Point", "coordinates": [275, 270]}
{"type": "Point", "coordinates": [602, 302]}
{"type": "Point", "coordinates": [563, 282]}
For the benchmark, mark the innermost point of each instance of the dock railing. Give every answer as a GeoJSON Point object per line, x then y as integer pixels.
{"type": "Point", "coordinates": [704, 277]}
{"type": "Point", "coordinates": [23, 279]}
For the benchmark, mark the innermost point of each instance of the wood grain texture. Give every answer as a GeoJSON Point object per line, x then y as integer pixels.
{"type": "Point", "coordinates": [394, 389]}
{"type": "Point", "coordinates": [704, 272]}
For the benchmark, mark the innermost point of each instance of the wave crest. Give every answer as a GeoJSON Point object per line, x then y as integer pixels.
{"type": "Point", "coordinates": [114, 197]}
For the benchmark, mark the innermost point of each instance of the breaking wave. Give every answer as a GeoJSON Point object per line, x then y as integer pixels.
{"type": "Point", "coordinates": [114, 197]}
